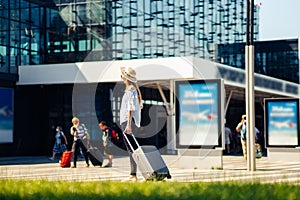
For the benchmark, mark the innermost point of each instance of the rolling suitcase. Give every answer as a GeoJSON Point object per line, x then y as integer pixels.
{"type": "Point", "coordinates": [149, 161]}
{"type": "Point", "coordinates": [95, 156]}
{"type": "Point", "coordinates": [65, 160]}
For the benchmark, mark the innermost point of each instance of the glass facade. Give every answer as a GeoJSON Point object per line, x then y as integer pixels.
{"type": "Point", "coordinates": [42, 32]}
{"type": "Point", "coordinates": [78, 31]}
{"type": "Point", "coordinates": [278, 59]}
{"type": "Point", "coordinates": [167, 28]}
{"type": "Point", "coordinates": [20, 34]}
{"type": "Point", "coordinates": [60, 31]}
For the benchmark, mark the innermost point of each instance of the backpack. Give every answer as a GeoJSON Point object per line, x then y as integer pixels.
{"type": "Point", "coordinates": [243, 131]}
{"type": "Point", "coordinates": [110, 135]}
{"type": "Point", "coordinates": [114, 136]}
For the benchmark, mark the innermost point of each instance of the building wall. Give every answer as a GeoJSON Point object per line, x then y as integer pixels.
{"type": "Point", "coordinates": [38, 32]}
{"type": "Point", "coordinates": [40, 108]}
{"type": "Point", "coordinates": [278, 58]}
{"type": "Point", "coordinates": [167, 28]}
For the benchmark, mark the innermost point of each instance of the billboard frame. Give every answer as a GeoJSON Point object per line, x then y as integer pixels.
{"type": "Point", "coordinates": [280, 125]}
{"type": "Point", "coordinates": [220, 113]}
{"type": "Point", "coordinates": [7, 105]}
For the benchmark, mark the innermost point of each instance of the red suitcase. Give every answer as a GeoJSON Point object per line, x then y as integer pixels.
{"type": "Point", "coordinates": [65, 160]}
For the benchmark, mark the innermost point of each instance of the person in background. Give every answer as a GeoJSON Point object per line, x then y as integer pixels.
{"type": "Point", "coordinates": [81, 140]}
{"type": "Point", "coordinates": [107, 142]}
{"type": "Point", "coordinates": [60, 142]}
{"type": "Point", "coordinates": [241, 128]}
{"type": "Point", "coordinates": [228, 138]}
{"type": "Point", "coordinates": [130, 114]}
{"type": "Point", "coordinates": [236, 142]}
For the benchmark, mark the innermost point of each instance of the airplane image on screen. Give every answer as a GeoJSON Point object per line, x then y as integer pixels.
{"type": "Point", "coordinates": [5, 112]}
{"type": "Point", "coordinates": [285, 124]}
{"type": "Point", "coordinates": [198, 116]}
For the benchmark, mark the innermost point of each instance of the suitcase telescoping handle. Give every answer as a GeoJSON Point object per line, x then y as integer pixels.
{"type": "Point", "coordinates": [126, 138]}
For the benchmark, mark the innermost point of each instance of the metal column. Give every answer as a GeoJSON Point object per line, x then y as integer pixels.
{"type": "Point", "coordinates": [250, 96]}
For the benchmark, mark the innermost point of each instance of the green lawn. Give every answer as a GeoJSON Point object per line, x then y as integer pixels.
{"type": "Point", "coordinates": [42, 189]}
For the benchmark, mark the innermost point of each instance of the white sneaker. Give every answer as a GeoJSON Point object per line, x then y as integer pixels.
{"type": "Point", "coordinates": [51, 158]}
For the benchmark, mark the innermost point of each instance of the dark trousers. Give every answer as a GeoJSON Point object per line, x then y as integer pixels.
{"type": "Point", "coordinates": [133, 166]}
{"type": "Point", "coordinates": [76, 150]}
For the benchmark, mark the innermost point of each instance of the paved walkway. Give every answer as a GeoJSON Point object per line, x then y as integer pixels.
{"type": "Point", "coordinates": [234, 168]}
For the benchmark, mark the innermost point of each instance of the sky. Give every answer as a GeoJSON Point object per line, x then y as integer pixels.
{"type": "Point", "coordinates": [279, 19]}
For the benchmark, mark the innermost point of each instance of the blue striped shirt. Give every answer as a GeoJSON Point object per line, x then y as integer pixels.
{"type": "Point", "coordinates": [81, 133]}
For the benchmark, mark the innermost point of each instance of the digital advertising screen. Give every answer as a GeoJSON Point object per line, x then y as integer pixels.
{"type": "Point", "coordinates": [198, 113]}
{"type": "Point", "coordinates": [282, 122]}
{"type": "Point", "coordinates": [6, 115]}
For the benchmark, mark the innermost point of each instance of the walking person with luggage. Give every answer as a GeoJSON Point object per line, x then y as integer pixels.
{"type": "Point", "coordinates": [60, 142]}
{"type": "Point", "coordinates": [81, 140]}
{"type": "Point", "coordinates": [107, 142]}
{"type": "Point", "coordinates": [130, 113]}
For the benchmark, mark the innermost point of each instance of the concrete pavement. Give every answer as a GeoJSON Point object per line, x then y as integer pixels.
{"type": "Point", "coordinates": [234, 169]}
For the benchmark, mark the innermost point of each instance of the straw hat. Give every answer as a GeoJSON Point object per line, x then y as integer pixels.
{"type": "Point", "coordinates": [129, 74]}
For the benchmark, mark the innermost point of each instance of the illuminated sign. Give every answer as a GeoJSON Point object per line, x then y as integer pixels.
{"type": "Point", "coordinates": [198, 113]}
{"type": "Point", "coordinates": [282, 122]}
{"type": "Point", "coordinates": [6, 115]}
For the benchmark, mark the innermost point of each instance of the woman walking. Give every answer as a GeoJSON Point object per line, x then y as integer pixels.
{"type": "Point", "coordinates": [59, 146]}
{"type": "Point", "coordinates": [130, 113]}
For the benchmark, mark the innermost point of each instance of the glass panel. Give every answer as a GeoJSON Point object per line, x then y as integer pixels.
{"type": "Point", "coordinates": [25, 57]}
{"type": "Point", "coordinates": [35, 60]}
{"type": "Point", "coordinates": [57, 47]}
{"type": "Point", "coordinates": [96, 45]}
{"type": "Point", "coordinates": [68, 46]}
{"type": "Point", "coordinates": [14, 34]}
{"type": "Point", "coordinates": [14, 9]}
{"type": "Point", "coordinates": [25, 12]}
{"type": "Point", "coordinates": [81, 15]}
{"type": "Point", "coordinates": [66, 15]}
{"type": "Point", "coordinates": [36, 17]}
{"type": "Point", "coordinates": [3, 31]}
{"type": "Point", "coordinates": [3, 8]}
{"type": "Point", "coordinates": [96, 12]}
{"type": "Point", "coordinates": [3, 59]}
{"type": "Point", "coordinates": [82, 45]}
{"type": "Point", "coordinates": [13, 59]}
{"type": "Point", "coordinates": [13, 69]}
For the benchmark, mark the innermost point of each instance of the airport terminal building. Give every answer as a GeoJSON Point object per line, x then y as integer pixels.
{"type": "Point", "coordinates": [51, 51]}
{"type": "Point", "coordinates": [48, 95]}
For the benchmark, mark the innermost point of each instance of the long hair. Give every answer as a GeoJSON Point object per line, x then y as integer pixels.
{"type": "Point", "coordinates": [137, 88]}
